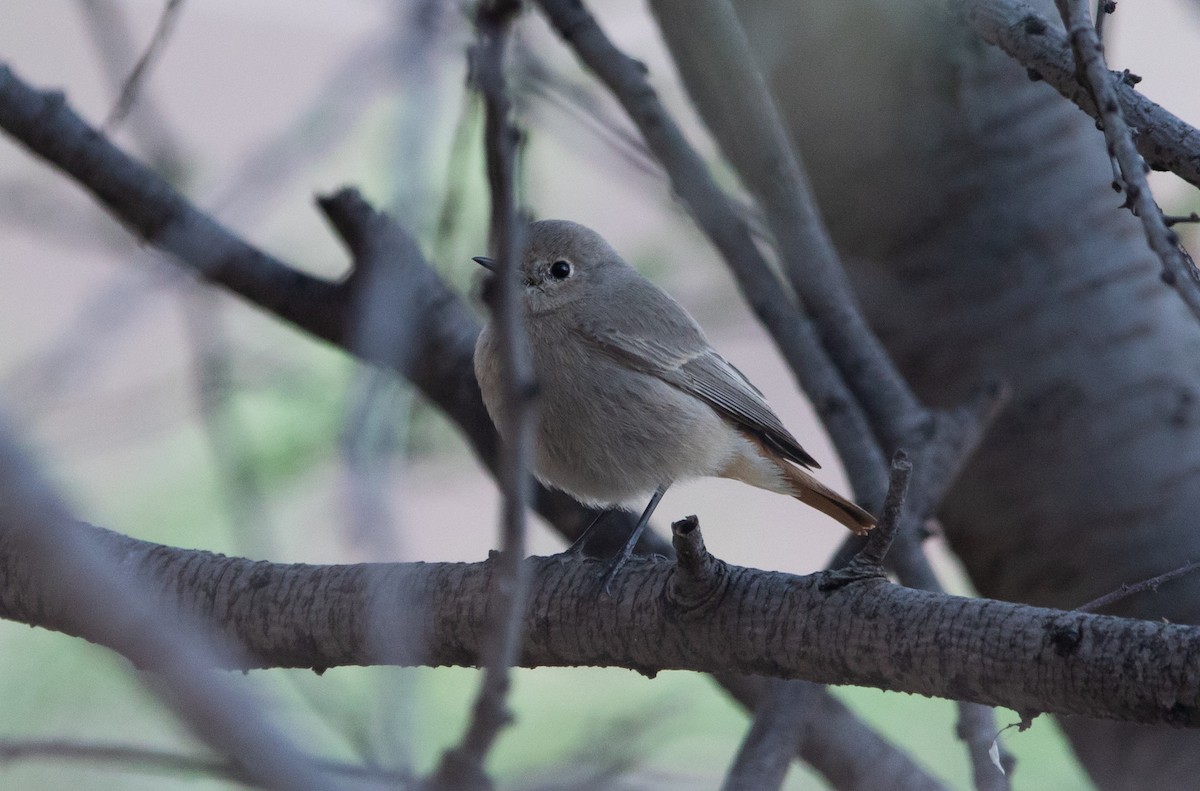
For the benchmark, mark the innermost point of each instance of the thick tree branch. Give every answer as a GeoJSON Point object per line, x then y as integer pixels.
{"type": "Point", "coordinates": [767, 623]}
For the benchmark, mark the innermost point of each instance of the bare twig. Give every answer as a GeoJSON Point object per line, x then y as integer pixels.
{"type": "Point", "coordinates": [976, 727]}
{"type": "Point", "coordinates": [1178, 269]}
{"type": "Point", "coordinates": [867, 563]}
{"type": "Point", "coordinates": [229, 441]}
{"type": "Point", "coordinates": [462, 767]}
{"type": "Point", "coordinates": [108, 27]}
{"type": "Point", "coordinates": [129, 92]}
{"type": "Point", "coordinates": [1175, 219]}
{"type": "Point", "coordinates": [831, 727]}
{"type": "Point", "coordinates": [1103, 9]}
{"type": "Point", "coordinates": [1127, 590]}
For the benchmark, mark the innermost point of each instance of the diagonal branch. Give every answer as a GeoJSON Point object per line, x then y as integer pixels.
{"type": "Point", "coordinates": [713, 55]}
{"type": "Point", "coordinates": [1179, 270]}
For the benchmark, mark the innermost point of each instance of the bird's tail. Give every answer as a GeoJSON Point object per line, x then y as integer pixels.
{"type": "Point", "coordinates": [812, 492]}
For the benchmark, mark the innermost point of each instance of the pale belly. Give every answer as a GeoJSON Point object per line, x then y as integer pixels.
{"type": "Point", "coordinates": [623, 433]}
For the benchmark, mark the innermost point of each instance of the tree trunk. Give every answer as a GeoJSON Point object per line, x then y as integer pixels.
{"type": "Point", "coordinates": [975, 206]}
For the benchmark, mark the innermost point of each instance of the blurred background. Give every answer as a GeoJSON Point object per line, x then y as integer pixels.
{"type": "Point", "coordinates": [174, 413]}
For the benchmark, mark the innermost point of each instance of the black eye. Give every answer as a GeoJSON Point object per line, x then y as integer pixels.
{"type": "Point", "coordinates": [560, 270]}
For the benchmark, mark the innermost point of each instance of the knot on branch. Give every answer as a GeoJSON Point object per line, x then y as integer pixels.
{"type": "Point", "coordinates": [699, 580]}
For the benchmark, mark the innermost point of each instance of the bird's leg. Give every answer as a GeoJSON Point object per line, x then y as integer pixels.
{"type": "Point", "coordinates": [576, 547]}
{"type": "Point", "coordinates": [621, 557]}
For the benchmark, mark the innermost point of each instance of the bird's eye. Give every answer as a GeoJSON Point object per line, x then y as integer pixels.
{"type": "Point", "coordinates": [560, 270]}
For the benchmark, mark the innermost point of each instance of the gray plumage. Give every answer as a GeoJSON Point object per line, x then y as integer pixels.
{"type": "Point", "coordinates": [632, 395]}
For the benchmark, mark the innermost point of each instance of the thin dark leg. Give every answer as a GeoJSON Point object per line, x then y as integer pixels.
{"type": "Point", "coordinates": [624, 555]}
{"type": "Point", "coordinates": [576, 547]}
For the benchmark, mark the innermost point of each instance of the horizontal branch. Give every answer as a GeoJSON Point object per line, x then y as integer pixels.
{"type": "Point", "coordinates": [726, 619]}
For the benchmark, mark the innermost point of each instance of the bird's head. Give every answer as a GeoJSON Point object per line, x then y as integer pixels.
{"type": "Point", "coordinates": [563, 262]}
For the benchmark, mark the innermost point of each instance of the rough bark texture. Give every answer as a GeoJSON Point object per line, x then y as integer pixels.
{"type": "Point", "coordinates": [988, 241]}
{"type": "Point", "coordinates": [713, 617]}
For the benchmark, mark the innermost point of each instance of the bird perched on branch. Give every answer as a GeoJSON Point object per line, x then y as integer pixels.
{"type": "Point", "coordinates": [632, 397]}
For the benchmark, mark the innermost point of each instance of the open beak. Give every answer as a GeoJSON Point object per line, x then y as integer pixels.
{"type": "Point", "coordinates": [487, 263]}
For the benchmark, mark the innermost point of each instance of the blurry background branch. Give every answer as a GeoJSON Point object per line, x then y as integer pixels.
{"type": "Point", "coordinates": [462, 766]}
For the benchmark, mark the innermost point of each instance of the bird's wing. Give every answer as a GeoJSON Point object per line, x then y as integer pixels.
{"type": "Point", "coordinates": [690, 364]}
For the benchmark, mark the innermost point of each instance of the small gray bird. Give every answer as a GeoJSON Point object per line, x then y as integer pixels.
{"type": "Point", "coordinates": [632, 397]}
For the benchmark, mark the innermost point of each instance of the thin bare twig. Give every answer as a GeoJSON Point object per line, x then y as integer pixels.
{"type": "Point", "coordinates": [129, 92]}
{"type": "Point", "coordinates": [1103, 9]}
{"type": "Point", "coordinates": [229, 441]}
{"type": "Point", "coordinates": [868, 562]}
{"type": "Point", "coordinates": [107, 24]}
{"type": "Point", "coordinates": [1127, 590]}
{"type": "Point", "coordinates": [462, 766]}
{"type": "Point", "coordinates": [991, 764]}
{"type": "Point", "coordinates": [1178, 269]}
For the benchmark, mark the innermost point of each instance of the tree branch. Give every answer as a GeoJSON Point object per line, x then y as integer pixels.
{"type": "Point", "coordinates": [758, 622]}
{"type": "Point", "coordinates": [134, 758]}
{"type": "Point", "coordinates": [766, 751]}
{"type": "Point", "coordinates": [1166, 141]}
{"type": "Point", "coordinates": [1178, 269]}
{"type": "Point", "coordinates": [713, 56]}
{"type": "Point", "coordinates": [462, 766]}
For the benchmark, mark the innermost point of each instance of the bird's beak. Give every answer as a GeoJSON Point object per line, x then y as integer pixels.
{"type": "Point", "coordinates": [487, 263]}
